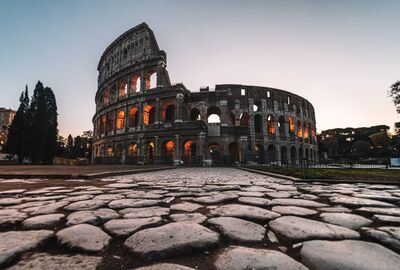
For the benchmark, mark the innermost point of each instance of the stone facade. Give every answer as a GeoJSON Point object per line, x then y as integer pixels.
{"type": "Point", "coordinates": [6, 118]}
{"type": "Point", "coordinates": [142, 117]}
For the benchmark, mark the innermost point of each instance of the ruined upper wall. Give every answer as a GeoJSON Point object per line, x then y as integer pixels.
{"type": "Point", "coordinates": [137, 46]}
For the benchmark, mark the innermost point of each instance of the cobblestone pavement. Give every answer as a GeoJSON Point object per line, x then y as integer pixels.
{"type": "Point", "coordinates": [201, 218]}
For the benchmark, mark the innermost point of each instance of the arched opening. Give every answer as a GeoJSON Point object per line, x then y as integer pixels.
{"type": "Point", "coordinates": [305, 131]}
{"type": "Point", "coordinates": [135, 83]}
{"type": "Point", "coordinates": [301, 154]}
{"type": "Point", "coordinates": [291, 125]}
{"type": "Point", "coordinates": [148, 115]}
{"type": "Point", "coordinates": [271, 152]}
{"type": "Point", "coordinates": [151, 79]}
{"type": "Point", "coordinates": [109, 151]}
{"type": "Point", "coordinates": [150, 152]}
{"type": "Point", "coordinates": [284, 155]}
{"type": "Point", "coordinates": [110, 121]}
{"type": "Point", "coordinates": [195, 115]}
{"type": "Point", "coordinates": [133, 117]}
{"type": "Point", "coordinates": [235, 154]}
{"type": "Point", "coordinates": [168, 152]}
{"type": "Point", "coordinates": [257, 106]}
{"type": "Point", "coordinates": [132, 150]}
{"type": "Point", "coordinates": [123, 89]}
{"type": "Point", "coordinates": [258, 124]}
{"type": "Point", "coordinates": [293, 155]}
{"type": "Point", "coordinates": [299, 129]}
{"type": "Point", "coordinates": [118, 151]}
{"type": "Point", "coordinates": [215, 153]}
{"type": "Point", "coordinates": [259, 153]}
{"type": "Point", "coordinates": [281, 126]}
{"type": "Point", "coordinates": [189, 152]}
{"type": "Point", "coordinates": [103, 124]}
{"type": "Point", "coordinates": [120, 120]}
{"type": "Point", "coordinates": [244, 120]}
{"type": "Point", "coordinates": [213, 115]}
{"type": "Point", "coordinates": [169, 112]}
{"type": "Point", "coordinates": [233, 119]}
{"type": "Point", "coordinates": [106, 97]}
{"type": "Point", "coordinates": [271, 125]}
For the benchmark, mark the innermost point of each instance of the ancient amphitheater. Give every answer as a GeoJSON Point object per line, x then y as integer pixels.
{"type": "Point", "coordinates": [142, 118]}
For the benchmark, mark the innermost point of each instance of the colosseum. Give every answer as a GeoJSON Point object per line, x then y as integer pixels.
{"type": "Point", "coordinates": [142, 118]}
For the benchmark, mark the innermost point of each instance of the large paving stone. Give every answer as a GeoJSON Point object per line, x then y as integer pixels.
{"type": "Point", "coordinates": [164, 266]}
{"type": "Point", "coordinates": [194, 217]}
{"type": "Point", "coordinates": [126, 203]}
{"type": "Point", "coordinates": [279, 194]}
{"type": "Point", "coordinates": [244, 211]}
{"type": "Point", "coordinates": [45, 261]}
{"type": "Point", "coordinates": [122, 227]}
{"type": "Point", "coordinates": [298, 202]}
{"type": "Point", "coordinates": [381, 210]}
{"type": "Point", "coordinates": [43, 221]}
{"type": "Point", "coordinates": [387, 235]}
{"type": "Point", "coordinates": [238, 229]}
{"type": "Point", "coordinates": [172, 239]}
{"type": "Point", "coordinates": [218, 198]}
{"type": "Point", "coordinates": [9, 201]}
{"type": "Point", "coordinates": [293, 210]}
{"type": "Point", "coordinates": [11, 216]}
{"type": "Point", "coordinates": [255, 201]}
{"type": "Point", "coordinates": [300, 229]}
{"type": "Point", "coordinates": [13, 243]}
{"type": "Point", "coordinates": [153, 211]}
{"type": "Point", "coordinates": [387, 219]}
{"type": "Point", "coordinates": [353, 201]}
{"type": "Point", "coordinates": [93, 217]}
{"type": "Point", "coordinates": [49, 208]}
{"type": "Point", "coordinates": [121, 185]}
{"type": "Point", "coordinates": [85, 205]}
{"type": "Point", "coordinates": [244, 258]}
{"type": "Point", "coordinates": [186, 207]}
{"type": "Point", "coordinates": [85, 237]}
{"type": "Point", "coordinates": [348, 255]}
{"type": "Point", "coordinates": [350, 221]}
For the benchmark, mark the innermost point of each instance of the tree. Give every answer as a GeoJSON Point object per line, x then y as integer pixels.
{"type": "Point", "coordinates": [394, 93]}
{"type": "Point", "coordinates": [40, 138]}
{"type": "Point", "coordinates": [16, 131]}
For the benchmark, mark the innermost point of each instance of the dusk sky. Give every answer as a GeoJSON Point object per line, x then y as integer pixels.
{"type": "Point", "coordinates": [340, 55]}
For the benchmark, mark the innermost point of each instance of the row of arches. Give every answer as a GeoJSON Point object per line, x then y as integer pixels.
{"type": "Point", "coordinates": [128, 86]}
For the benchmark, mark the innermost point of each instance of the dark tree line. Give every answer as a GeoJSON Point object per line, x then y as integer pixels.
{"type": "Point", "coordinates": [33, 132]}
{"type": "Point", "coordinates": [78, 147]}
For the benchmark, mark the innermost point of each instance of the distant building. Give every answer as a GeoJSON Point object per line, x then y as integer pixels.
{"type": "Point", "coordinates": [6, 117]}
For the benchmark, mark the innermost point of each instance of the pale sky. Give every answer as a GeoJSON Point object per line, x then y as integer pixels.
{"type": "Point", "coordinates": [340, 55]}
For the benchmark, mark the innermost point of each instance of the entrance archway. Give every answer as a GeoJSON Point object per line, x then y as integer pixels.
{"type": "Point", "coordinates": [215, 153]}
{"type": "Point", "coordinates": [168, 152]}
{"type": "Point", "coordinates": [259, 153]}
{"type": "Point", "coordinates": [271, 152]}
{"type": "Point", "coordinates": [235, 154]}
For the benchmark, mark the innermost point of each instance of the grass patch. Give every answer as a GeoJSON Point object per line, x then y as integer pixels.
{"type": "Point", "coordinates": [337, 174]}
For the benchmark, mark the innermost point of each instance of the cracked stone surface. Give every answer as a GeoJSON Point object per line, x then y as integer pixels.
{"type": "Point", "coordinates": [171, 239]}
{"type": "Point", "coordinates": [195, 218]}
{"type": "Point", "coordinates": [241, 258]}
{"type": "Point", "coordinates": [348, 255]}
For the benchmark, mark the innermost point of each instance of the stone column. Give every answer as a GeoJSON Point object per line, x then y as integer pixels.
{"type": "Point", "coordinates": [128, 86]}
{"type": "Point", "coordinates": [126, 128]}
{"type": "Point", "coordinates": [224, 112]}
{"type": "Point", "coordinates": [158, 119]}
{"type": "Point", "coordinates": [157, 148]}
{"type": "Point", "coordinates": [143, 75]}
{"type": "Point", "coordinates": [200, 146]}
{"type": "Point", "coordinates": [177, 154]}
{"type": "Point", "coordinates": [179, 105]}
{"type": "Point", "coordinates": [244, 142]}
{"type": "Point", "coordinates": [140, 116]}
{"type": "Point", "coordinates": [115, 121]}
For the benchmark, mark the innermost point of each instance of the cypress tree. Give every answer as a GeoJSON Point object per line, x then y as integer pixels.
{"type": "Point", "coordinates": [16, 131]}
{"type": "Point", "coordinates": [52, 125]}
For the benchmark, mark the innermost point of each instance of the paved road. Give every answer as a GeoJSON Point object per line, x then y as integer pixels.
{"type": "Point", "coordinates": [200, 218]}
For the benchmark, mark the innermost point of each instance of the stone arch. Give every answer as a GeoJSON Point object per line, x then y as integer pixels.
{"type": "Point", "coordinates": [168, 151]}
{"type": "Point", "coordinates": [235, 153]}
{"type": "Point", "coordinates": [151, 79]}
{"type": "Point", "coordinates": [109, 151]}
{"type": "Point", "coordinates": [120, 120]}
{"type": "Point", "coordinates": [106, 97]}
{"type": "Point", "coordinates": [281, 126]}
{"type": "Point", "coordinates": [195, 114]}
{"type": "Point", "coordinates": [299, 129]}
{"type": "Point", "coordinates": [119, 151]}
{"type": "Point", "coordinates": [271, 153]}
{"type": "Point", "coordinates": [133, 117]}
{"type": "Point", "coordinates": [168, 111]}
{"type": "Point", "coordinates": [150, 152]}
{"type": "Point", "coordinates": [284, 155]}
{"type": "Point", "coordinates": [258, 123]}
{"type": "Point", "coordinates": [135, 83]}
{"type": "Point", "coordinates": [293, 155]}
{"type": "Point", "coordinates": [271, 125]}
{"type": "Point", "coordinates": [123, 89]}
{"type": "Point", "coordinates": [245, 120]}
{"type": "Point", "coordinates": [259, 153]}
{"type": "Point", "coordinates": [213, 115]}
{"type": "Point", "coordinates": [215, 153]}
{"type": "Point", "coordinates": [189, 151]}
{"type": "Point", "coordinates": [148, 115]}
{"type": "Point", "coordinates": [132, 149]}
{"type": "Point", "coordinates": [292, 127]}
